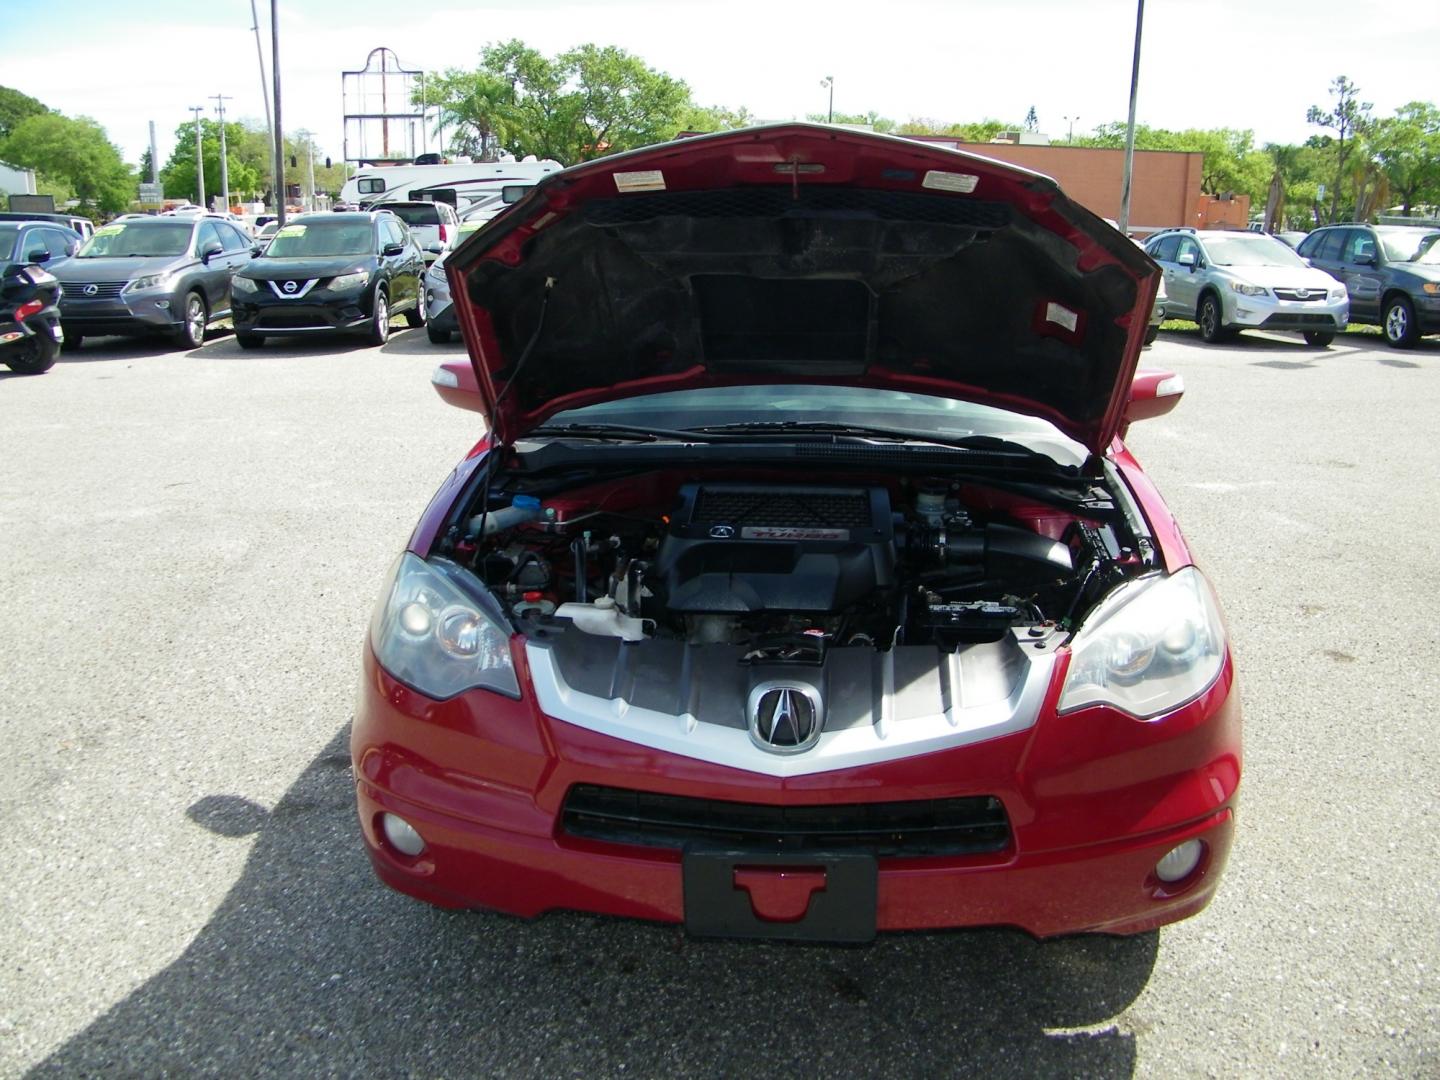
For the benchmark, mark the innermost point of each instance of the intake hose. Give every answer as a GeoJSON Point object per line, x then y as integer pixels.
{"type": "Point", "coordinates": [1003, 541]}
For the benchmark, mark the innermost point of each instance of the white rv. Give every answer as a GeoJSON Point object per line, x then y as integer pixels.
{"type": "Point", "coordinates": [469, 180]}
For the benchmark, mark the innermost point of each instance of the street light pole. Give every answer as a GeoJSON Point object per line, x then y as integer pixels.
{"type": "Point", "coordinates": [220, 100]}
{"type": "Point", "coordinates": [199, 154]}
{"type": "Point", "coordinates": [279, 135]}
{"type": "Point", "coordinates": [1130, 127]}
{"type": "Point", "coordinates": [1070, 138]}
{"type": "Point", "coordinates": [829, 82]}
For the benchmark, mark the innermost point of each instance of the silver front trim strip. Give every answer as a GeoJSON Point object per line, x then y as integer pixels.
{"type": "Point", "coordinates": [958, 725]}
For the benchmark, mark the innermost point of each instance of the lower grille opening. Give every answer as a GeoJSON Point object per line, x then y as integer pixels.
{"type": "Point", "coordinates": [927, 827]}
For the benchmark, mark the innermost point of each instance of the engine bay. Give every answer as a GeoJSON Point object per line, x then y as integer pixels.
{"type": "Point", "coordinates": [784, 570]}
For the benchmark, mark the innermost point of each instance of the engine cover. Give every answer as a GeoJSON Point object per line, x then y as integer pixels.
{"type": "Point", "coordinates": [738, 548]}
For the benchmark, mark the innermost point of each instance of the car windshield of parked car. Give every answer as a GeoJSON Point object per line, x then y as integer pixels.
{"type": "Point", "coordinates": [134, 239]}
{"type": "Point", "coordinates": [923, 415]}
{"type": "Point", "coordinates": [319, 239]}
{"type": "Point", "coordinates": [1429, 250]}
{"type": "Point", "coordinates": [1250, 251]}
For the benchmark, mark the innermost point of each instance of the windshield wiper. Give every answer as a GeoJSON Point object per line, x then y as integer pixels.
{"type": "Point", "coordinates": [624, 432]}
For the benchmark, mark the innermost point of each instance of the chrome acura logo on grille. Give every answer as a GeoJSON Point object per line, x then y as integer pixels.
{"type": "Point", "coordinates": [785, 718]}
{"type": "Point", "coordinates": [290, 286]}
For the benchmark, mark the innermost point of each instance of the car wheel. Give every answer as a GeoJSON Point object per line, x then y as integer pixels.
{"type": "Point", "coordinates": [417, 315]}
{"type": "Point", "coordinates": [437, 337]}
{"type": "Point", "coordinates": [1319, 338]}
{"type": "Point", "coordinates": [1151, 333]}
{"type": "Point", "coordinates": [190, 334]}
{"type": "Point", "coordinates": [1211, 328]}
{"type": "Point", "coordinates": [73, 341]}
{"type": "Point", "coordinates": [380, 322]}
{"type": "Point", "coordinates": [249, 341]}
{"type": "Point", "coordinates": [34, 355]}
{"type": "Point", "coordinates": [1399, 323]}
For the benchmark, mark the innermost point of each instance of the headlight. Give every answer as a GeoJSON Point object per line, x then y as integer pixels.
{"type": "Point", "coordinates": [436, 274]}
{"type": "Point", "coordinates": [350, 281]}
{"type": "Point", "coordinates": [243, 284]}
{"type": "Point", "coordinates": [149, 281]}
{"type": "Point", "coordinates": [1430, 288]}
{"type": "Point", "coordinates": [1151, 646]}
{"type": "Point", "coordinates": [1338, 294]}
{"type": "Point", "coordinates": [1249, 290]}
{"type": "Point", "coordinates": [438, 636]}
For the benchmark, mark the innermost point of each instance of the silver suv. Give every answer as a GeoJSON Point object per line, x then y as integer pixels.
{"type": "Point", "coordinates": [1229, 281]}
{"type": "Point", "coordinates": [168, 275]}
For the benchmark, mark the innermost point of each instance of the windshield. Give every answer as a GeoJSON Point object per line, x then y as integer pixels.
{"type": "Point", "coordinates": [134, 239]}
{"type": "Point", "coordinates": [920, 414]}
{"type": "Point", "coordinates": [1403, 247]}
{"type": "Point", "coordinates": [320, 239]}
{"type": "Point", "coordinates": [1250, 251]}
{"type": "Point", "coordinates": [8, 233]}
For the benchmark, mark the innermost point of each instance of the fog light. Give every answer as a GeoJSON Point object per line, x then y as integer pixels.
{"type": "Point", "coordinates": [404, 839]}
{"type": "Point", "coordinates": [164, 304]}
{"type": "Point", "coordinates": [1177, 864]}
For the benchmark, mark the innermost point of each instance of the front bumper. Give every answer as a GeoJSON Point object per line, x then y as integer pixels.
{"type": "Point", "coordinates": [128, 314]}
{"type": "Point", "coordinates": [1269, 313]}
{"type": "Point", "coordinates": [440, 310]}
{"type": "Point", "coordinates": [1094, 799]}
{"type": "Point", "coordinates": [320, 312]}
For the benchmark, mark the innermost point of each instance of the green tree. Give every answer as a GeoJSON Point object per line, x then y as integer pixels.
{"type": "Point", "coordinates": [74, 152]}
{"type": "Point", "coordinates": [589, 101]}
{"type": "Point", "coordinates": [15, 107]}
{"type": "Point", "coordinates": [716, 118]}
{"type": "Point", "coordinates": [981, 131]}
{"type": "Point", "coordinates": [178, 174]}
{"type": "Point", "coordinates": [1348, 118]}
{"type": "Point", "coordinates": [1407, 146]}
{"type": "Point", "coordinates": [872, 118]}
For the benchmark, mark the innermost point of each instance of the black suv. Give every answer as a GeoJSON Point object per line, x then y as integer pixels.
{"type": "Point", "coordinates": [1392, 272]}
{"type": "Point", "coordinates": [331, 273]}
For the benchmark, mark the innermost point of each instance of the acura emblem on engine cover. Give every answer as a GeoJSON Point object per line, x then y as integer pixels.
{"type": "Point", "coordinates": [785, 718]}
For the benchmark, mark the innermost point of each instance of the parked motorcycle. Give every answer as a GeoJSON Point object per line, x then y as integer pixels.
{"type": "Point", "coordinates": [29, 319]}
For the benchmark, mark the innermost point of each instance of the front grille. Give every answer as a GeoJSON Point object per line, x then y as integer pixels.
{"type": "Point", "coordinates": [778, 507]}
{"type": "Point", "coordinates": [928, 827]}
{"type": "Point", "coordinates": [1311, 295]}
{"type": "Point", "coordinates": [104, 290]}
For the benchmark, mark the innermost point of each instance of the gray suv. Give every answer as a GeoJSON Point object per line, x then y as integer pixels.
{"type": "Point", "coordinates": [1229, 281]}
{"type": "Point", "coordinates": [163, 275]}
{"type": "Point", "coordinates": [1391, 271]}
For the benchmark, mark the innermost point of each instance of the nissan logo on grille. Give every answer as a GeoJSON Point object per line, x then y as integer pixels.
{"type": "Point", "coordinates": [785, 718]}
{"type": "Point", "coordinates": [290, 286]}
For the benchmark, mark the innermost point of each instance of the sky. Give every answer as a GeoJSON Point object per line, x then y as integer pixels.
{"type": "Point", "coordinates": [1254, 64]}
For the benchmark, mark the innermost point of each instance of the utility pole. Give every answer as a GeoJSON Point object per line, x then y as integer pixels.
{"type": "Point", "coordinates": [220, 100]}
{"type": "Point", "coordinates": [279, 135]}
{"type": "Point", "coordinates": [829, 82]}
{"type": "Point", "coordinates": [154, 164]}
{"type": "Point", "coordinates": [1130, 128]}
{"type": "Point", "coordinates": [264, 87]}
{"type": "Point", "coordinates": [199, 155]}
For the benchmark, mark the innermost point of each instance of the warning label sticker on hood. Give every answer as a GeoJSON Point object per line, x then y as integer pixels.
{"type": "Point", "coordinates": [650, 180]}
{"type": "Point", "coordinates": [950, 181]}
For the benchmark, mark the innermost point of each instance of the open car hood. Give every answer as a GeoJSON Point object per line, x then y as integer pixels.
{"type": "Point", "coordinates": [800, 253]}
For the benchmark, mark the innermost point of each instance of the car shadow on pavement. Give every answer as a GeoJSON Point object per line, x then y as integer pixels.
{"type": "Point", "coordinates": [416, 343]}
{"type": "Point", "coordinates": [310, 966]}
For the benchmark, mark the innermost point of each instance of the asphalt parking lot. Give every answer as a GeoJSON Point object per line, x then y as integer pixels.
{"type": "Point", "coordinates": [192, 545]}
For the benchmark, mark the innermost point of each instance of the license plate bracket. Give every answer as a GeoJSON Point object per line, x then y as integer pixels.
{"type": "Point", "coordinates": [842, 911]}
